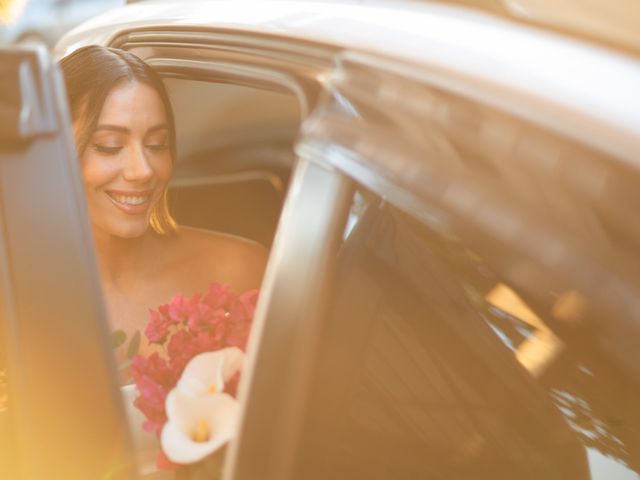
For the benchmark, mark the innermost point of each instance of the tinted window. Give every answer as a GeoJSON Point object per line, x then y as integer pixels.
{"type": "Point", "coordinates": [431, 367]}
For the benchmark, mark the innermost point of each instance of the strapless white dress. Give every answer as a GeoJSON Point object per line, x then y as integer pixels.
{"type": "Point", "coordinates": [146, 445]}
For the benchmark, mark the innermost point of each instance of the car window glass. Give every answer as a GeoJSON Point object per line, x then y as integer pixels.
{"type": "Point", "coordinates": [235, 148]}
{"type": "Point", "coordinates": [212, 115]}
{"type": "Point", "coordinates": [431, 367]}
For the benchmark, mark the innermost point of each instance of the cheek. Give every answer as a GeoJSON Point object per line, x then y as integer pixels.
{"type": "Point", "coordinates": [95, 170]}
{"type": "Point", "coordinates": [163, 168]}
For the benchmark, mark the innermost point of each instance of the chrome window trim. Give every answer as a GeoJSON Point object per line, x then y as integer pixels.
{"type": "Point", "coordinates": [233, 73]}
{"type": "Point", "coordinates": [229, 178]}
{"type": "Point", "coordinates": [242, 42]}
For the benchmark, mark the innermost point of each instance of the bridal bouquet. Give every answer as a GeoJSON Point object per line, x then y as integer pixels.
{"type": "Point", "coordinates": [187, 387]}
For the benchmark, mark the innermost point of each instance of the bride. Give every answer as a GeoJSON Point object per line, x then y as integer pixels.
{"type": "Point", "coordinates": [125, 138]}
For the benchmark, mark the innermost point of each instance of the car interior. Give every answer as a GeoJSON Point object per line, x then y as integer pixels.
{"type": "Point", "coordinates": [235, 155]}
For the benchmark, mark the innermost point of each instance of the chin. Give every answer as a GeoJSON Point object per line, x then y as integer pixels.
{"type": "Point", "coordinates": [133, 231]}
{"type": "Point", "coordinates": [127, 230]}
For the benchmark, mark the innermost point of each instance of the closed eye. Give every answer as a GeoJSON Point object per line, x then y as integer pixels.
{"type": "Point", "coordinates": [106, 149]}
{"type": "Point", "coordinates": [158, 148]}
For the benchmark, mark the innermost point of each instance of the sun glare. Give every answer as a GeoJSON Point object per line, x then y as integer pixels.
{"type": "Point", "coordinates": [10, 10]}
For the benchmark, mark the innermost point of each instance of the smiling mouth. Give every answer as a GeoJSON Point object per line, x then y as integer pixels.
{"type": "Point", "coordinates": [132, 203]}
{"type": "Point", "coordinates": [129, 199]}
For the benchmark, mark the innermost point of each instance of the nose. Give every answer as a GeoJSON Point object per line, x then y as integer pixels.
{"type": "Point", "coordinates": [136, 166]}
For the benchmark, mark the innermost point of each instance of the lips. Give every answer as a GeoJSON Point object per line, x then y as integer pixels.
{"type": "Point", "coordinates": [131, 202]}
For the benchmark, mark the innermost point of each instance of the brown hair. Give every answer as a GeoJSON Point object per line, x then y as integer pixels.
{"type": "Point", "coordinates": [90, 73]}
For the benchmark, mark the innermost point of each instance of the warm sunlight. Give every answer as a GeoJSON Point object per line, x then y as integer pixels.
{"type": "Point", "coordinates": [10, 10]}
{"type": "Point", "coordinates": [538, 351]}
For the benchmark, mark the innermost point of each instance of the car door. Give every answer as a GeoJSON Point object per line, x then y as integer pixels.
{"type": "Point", "coordinates": [465, 294]}
{"type": "Point", "coordinates": [61, 414]}
{"type": "Point", "coordinates": [377, 379]}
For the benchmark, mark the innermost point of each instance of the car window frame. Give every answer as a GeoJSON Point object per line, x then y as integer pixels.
{"type": "Point", "coordinates": [45, 236]}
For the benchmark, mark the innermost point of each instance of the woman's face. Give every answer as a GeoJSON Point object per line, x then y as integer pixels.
{"type": "Point", "coordinates": [127, 162]}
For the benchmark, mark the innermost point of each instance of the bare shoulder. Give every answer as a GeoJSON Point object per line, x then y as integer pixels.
{"type": "Point", "coordinates": [207, 256]}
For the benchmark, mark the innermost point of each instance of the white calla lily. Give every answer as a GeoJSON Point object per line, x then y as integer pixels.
{"type": "Point", "coordinates": [201, 418]}
{"type": "Point", "coordinates": [208, 372]}
{"type": "Point", "coordinates": [197, 425]}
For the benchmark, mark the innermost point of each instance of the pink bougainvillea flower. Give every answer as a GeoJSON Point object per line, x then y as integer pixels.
{"type": "Point", "coordinates": [207, 319]}
{"type": "Point", "coordinates": [198, 317]}
{"type": "Point", "coordinates": [184, 345]}
{"type": "Point", "coordinates": [151, 403]}
{"type": "Point", "coordinates": [248, 301]}
{"type": "Point", "coordinates": [201, 339]}
{"type": "Point", "coordinates": [181, 348]}
{"type": "Point", "coordinates": [240, 318]}
{"type": "Point", "coordinates": [158, 327]}
{"type": "Point", "coordinates": [219, 295]}
{"type": "Point", "coordinates": [197, 425]}
{"type": "Point", "coordinates": [154, 378]}
{"type": "Point", "coordinates": [180, 308]}
{"type": "Point", "coordinates": [155, 368]}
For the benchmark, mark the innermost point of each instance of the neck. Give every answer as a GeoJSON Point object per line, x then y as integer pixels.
{"type": "Point", "coordinates": [123, 261]}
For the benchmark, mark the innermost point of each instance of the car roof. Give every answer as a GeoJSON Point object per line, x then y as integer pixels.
{"type": "Point", "coordinates": [591, 80]}
{"type": "Point", "coordinates": [602, 21]}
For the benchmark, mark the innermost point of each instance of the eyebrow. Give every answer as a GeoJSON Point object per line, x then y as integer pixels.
{"type": "Point", "coordinates": [118, 128]}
